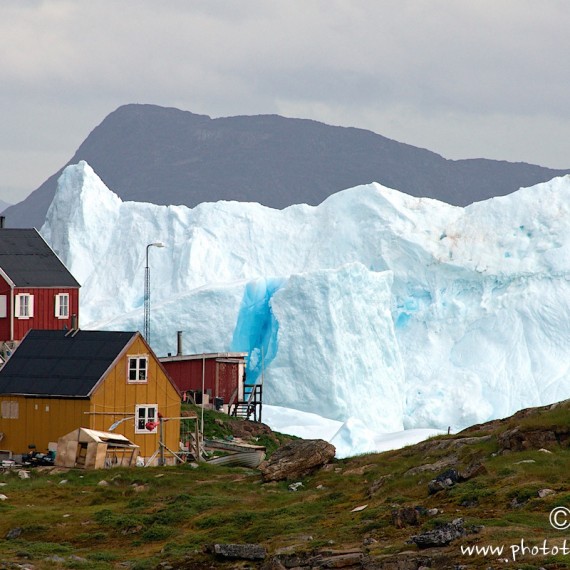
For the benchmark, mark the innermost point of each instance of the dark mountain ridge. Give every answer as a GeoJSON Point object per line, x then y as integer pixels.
{"type": "Point", "coordinates": [164, 155]}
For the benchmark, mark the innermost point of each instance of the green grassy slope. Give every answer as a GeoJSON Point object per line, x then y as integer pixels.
{"type": "Point", "coordinates": [142, 517]}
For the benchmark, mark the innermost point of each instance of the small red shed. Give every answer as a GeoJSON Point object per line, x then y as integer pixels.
{"type": "Point", "coordinates": [36, 289]}
{"type": "Point", "coordinates": [219, 375]}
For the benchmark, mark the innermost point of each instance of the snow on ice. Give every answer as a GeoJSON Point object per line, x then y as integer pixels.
{"type": "Point", "coordinates": [374, 309]}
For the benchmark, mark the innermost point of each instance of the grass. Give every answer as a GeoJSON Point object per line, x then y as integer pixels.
{"type": "Point", "coordinates": [178, 510]}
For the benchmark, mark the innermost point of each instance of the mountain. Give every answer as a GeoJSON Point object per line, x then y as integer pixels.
{"type": "Point", "coordinates": [4, 205]}
{"type": "Point", "coordinates": [374, 308]}
{"type": "Point", "coordinates": [163, 155]}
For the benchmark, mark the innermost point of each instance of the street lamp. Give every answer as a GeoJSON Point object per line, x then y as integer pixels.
{"type": "Point", "coordinates": [147, 292]}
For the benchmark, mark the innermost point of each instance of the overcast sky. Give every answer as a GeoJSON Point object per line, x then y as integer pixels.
{"type": "Point", "coordinates": [485, 78]}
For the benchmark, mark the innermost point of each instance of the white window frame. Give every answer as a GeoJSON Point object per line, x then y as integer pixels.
{"type": "Point", "coordinates": [9, 410]}
{"type": "Point", "coordinates": [24, 306]}
{"type": "Point", "coordinates": [138, 370]}
{"type": "Point", "coordinates": [145, 413]}
{"type": "Point", "coordinates": [62, 306]}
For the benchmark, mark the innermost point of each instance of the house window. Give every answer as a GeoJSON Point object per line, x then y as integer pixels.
{"type": "Point", "coordinates": [3, 306]}
{"type": "Point", "coordinates": [24, 308]}
{"type": "Point", "coordinates": [138, 368]}
{"type": "Point", "coordinates": [146, 415]}
{"type": "Point", "coordinates": [9, 410]}
{"type": "Point", "coordinates": [62, 306]}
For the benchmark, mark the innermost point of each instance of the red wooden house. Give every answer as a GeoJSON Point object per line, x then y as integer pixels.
{"type": "Point", "coordinates": [219, 375]}
{"type": "Point", "coordinates": [36, 289]}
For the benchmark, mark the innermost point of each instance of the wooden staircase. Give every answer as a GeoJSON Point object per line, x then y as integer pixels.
{"type": "Point", "coordinates": [250, 407]}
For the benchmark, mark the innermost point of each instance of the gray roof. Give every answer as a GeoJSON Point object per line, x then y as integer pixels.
{"type": "Point", "coordinates": [28, 260]}
{"type": "Point", "coordinates": [61, 363]}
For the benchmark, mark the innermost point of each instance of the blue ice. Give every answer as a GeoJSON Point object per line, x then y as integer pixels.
{"type": "Point", "coordinates": [256, 327]}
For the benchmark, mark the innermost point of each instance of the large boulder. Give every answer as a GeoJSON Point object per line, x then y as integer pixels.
{"type": "Point", "coordinates": [297, 459]}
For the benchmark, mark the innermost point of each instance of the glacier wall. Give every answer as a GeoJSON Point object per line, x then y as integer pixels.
{"type": "Point", "coordinates": [375, 307]}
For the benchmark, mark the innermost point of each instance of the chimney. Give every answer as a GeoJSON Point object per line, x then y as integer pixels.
{"type": "Point", "coordinates": [179, 343]}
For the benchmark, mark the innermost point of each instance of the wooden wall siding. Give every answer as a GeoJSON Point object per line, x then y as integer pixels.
{"type": "Point", "coordinates": [5, 323]}
{"type": "Point", "coordinates": [220, 378]}
{"type": "Point", "coordinates": [44, 420]}
{"type": "Point", "coordinates": [44, 311]}
{"type": "Point", "coordinates": [41, 421]}
{"type": "Point", "coordinates": [117, 396]}
{"type": "Point", "coordinates": [227, 382]}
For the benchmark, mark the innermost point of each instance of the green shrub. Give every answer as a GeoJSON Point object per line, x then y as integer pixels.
{"type": "Point", "coordinates": [156, 532]}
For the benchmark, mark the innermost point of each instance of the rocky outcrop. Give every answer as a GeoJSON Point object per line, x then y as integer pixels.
{"type": "Point", "coordinates": [406, 516]}
{"type": "Point", "coordinates": [451, 444]}
{"type": "Point", "coordinates": [440, 536]}
{"type": "Point", "coordinates": [450, 477]}
{"type": "Point", "coordinates": [443, 481]}
{"type": "Point", "coordinates": [237, 551]}
{"type": "Point", "coordinates": [297, 459]}
{"type": "Point", "coordinates": [247, 430]}
{"type": "Point", "coordinates": [519, 439]}
{"type": "Point", "coordinates": [351, 560]}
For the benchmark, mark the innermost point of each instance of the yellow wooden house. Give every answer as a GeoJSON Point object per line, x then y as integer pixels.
{"type": "Point", "coordinates": [58, 381]}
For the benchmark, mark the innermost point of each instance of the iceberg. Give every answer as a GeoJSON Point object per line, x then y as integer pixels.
{"type": "Point", "coordinates": [375, 309]}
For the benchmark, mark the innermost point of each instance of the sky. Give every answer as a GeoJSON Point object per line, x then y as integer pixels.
{"type": "Point", "coordinates": [463, 79]}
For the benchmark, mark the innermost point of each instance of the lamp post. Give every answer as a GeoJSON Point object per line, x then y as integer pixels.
{"type": "Point", "coordinates": [147, 292]}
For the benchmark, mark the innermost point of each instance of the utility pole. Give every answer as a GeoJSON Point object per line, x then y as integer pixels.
{"type": "Point", "coordinates": [146, 328]}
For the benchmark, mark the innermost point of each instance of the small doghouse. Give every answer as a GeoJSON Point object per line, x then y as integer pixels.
{"type": "Point", "coordinates": [92, 449]}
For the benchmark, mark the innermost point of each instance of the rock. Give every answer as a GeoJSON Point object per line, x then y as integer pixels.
{"type": "Point", "coordinates": [273, 564]}
{"type": "Point", "coordinates": [516, 504]}
{"type": "Point", "coordinates": [23, 474]}
{"type": "Point", "coordinates": [55, 558]}
{"type": "Point", "coordinates": [433, 512]}
{"type": "Point", "coordinates": [3, 497]}
{"type": "Point", "coordinates": [297, 459]}
{"type": "Point", "coordinates": [102, 483]}
{"type": "Point", "coordinates": [349, 560]}
{"type": "Point", "coordinates": [441, 536]}
{"type": "Point", "coordinates": [14, 533]}
{"type": "Point", "coordinates": [377, 484]}
{"type": "Point", "coordinates": [518, 439]}
{"type": "Point", "coordinates": [239, 551]}
{"type": "Point", "coordinates": [403, 561]}
{"type": "Point", "coordinates": [295, 486]}
{"type": "Point", "coordinates": [436, 466]}
{"type": "Point", "coordinates": [472, 470]}
{"type": "Point", "coordinates": [247, 430]}
{"type": "Point", "coordinates": [406, 516]}
{"type": "Point", "coordinates": [546, 492]}
{"type": "Point", "coordinates": [443, 481]}
{"type": "Point", "coordinates": [450, 444]}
